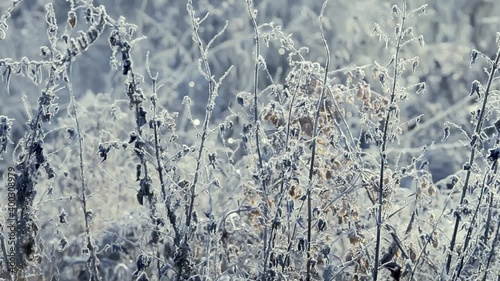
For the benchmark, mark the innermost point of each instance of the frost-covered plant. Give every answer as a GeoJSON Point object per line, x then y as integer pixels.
{"type": "Point", "coordinates": [243, 140]}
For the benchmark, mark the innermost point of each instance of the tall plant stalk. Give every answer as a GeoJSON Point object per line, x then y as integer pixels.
{"type": "Point", "coordinates": [470, 163]}
{"type": "Point", "coordinates": [383, 148]}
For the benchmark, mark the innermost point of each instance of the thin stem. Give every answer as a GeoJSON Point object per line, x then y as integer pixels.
{"type": "Point", "coordinates": [160, 168]}
{"type": "Point", "coordinates": [257, 129]}
{"type": "Point", "coordinates": [92, 264]}
{"type": "Point", "coordinates": [468, 236]}
{"type": "Point", "coordinates": [490, 205]}
{"type": "Point", "coordinates": [313, 149]}
{"type": "Point", "coordinates": [207, 112]}
{"type": "Point", "coordinates": [474, 140]}
{"type": "Point", "coordinates": [212, 94]}
{"type": "Point", "coordinates": [383, 155]}
{"type": "Point", "coordinates": [4, 252]}
{"type": "Point", "coordinates": [492, 251]}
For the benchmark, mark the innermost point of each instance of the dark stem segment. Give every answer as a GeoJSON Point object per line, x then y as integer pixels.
{"type": "Point", "coordinates": [313, 149]}
{"type": "Point", "coordinates": [492, 251]}
{"type": "Point", "coordinates": [257, 140]}
{"type": "Point", "coordinates": [468, 236]}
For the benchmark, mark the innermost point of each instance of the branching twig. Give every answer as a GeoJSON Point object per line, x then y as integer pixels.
{"type": "Point", "coordinates": [251, 13]}
{"type": "Point", "coordinates": [213, 87]}
{"type": "Point", "coordinates": [92, 261]}
{"type": "Point", "coordinates": [383, 155]}
{"type": "Point", "coordinates": [474, 142]}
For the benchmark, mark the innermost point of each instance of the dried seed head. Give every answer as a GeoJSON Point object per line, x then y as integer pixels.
{"type": "Point", "coordinates": [376, 30]}
{"type": "Point", "coordinates": [72, 19]}
{"type": "Point", "coordinates": [381, 78]}
{"type": "Point", "coordinates": [349, 256]}
{"type": "Point", "coordinates": [432, 190]}
{"type": "Point", "coordinates": [467, 166]}
{"type": "Point", "coordinates": [321, 225]}
{"type": "Point", "coordinates": [475, 88]}
{"type": "Point", "coordinates": [62, 244]}
{"type": "Point", "coordinates": [420, 11]}
{"type": "Point", "coordinates": [397, 30]}
{"type": "Point", "coordinates": [424, 184]}
{"type": "Point", "coordinates": [44, 52]}
{"type": "Point", "coordinates": [446, 131]}
{"type": "Point", "coordinates": [414, 64]}
{"type": "Point", "coordinates": [494, 154]}
{"type": "Point", "coordinates": [89, 15]}
{"type": "Point", "coordinates": [396, 12]}
{"type": "Point", "coordinates": [473, 56]}
{"type": "Point", "coordinates": [408, 31]}
{"type": "Point", "coordinates": [353, 237]}
{"type": "Point", "coordinates": [435, 242]}
{"type": "Point", "coordinates": [62, 217]}
{"type": "Point", "coordinates": [420, 88]}
{"type": "Point", "coordinates": [421, 41]}
{"type": "Point", "coordinates": [361, 91]}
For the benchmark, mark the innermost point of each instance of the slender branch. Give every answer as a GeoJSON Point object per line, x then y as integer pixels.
{"type": "Point", "coordinates": [93, 261]}
{"type": "Point", "coordinates": [468, 236]}
{"type": "Point", "coordinates": [251, 13]}
{"type": "Point", "coordinates": [4, 253]}
{"type": "Point", "coordinates": [208, 112]}
{"type": "Point", "coordinates": [492, 250]}
{"type": "Point", "coordinates": [474, 142]}
{"type": "Point", "coordinates": [212, 94]}
{"type": "Point", "coordinates": [383, 155]}
{"type": "Point", "coordinates": [313, 149]}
